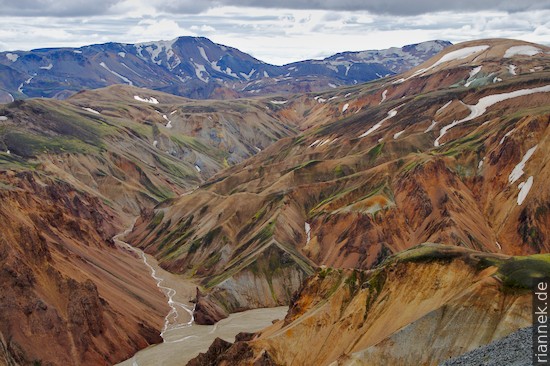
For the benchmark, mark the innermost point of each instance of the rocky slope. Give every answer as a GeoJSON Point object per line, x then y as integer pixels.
{"type": "Point", "coordinates": [64, 284]}
{"type": "Point", "coordinates": [452, 152]}
{"type": "Point", "coordinates": [73, 174]}
{"type": "Point", "coordinates": [419, 307]}
{"type": "Point", "coordinates": [512, 350]}
{"type": "Point", "coordinates": [193, 67]}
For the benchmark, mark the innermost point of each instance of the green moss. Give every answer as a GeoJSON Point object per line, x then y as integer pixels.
{"type": "Point", "coordinates": [157, 219]}
{"type": "Point", "coordinates": [375, 152]}
{"type": "Point", "coordinates": [521, 272]}
{"type": "Point", "coordinates": [339, 171]}
{"type": "Point", "coordinates": [426, 253]}
{"type": "Point", "coordinates": [410, 166]}
{"type": "Point", "coordinates": [28, 145]}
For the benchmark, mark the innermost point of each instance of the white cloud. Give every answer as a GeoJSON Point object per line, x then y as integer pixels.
{"type": "Point", "coordinates": [272, 35]}
{"type": "Point", "coordinates": [202, 29]}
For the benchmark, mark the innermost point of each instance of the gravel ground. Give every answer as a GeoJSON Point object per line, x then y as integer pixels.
{"type": "Point", "coordinates": [513, 350]}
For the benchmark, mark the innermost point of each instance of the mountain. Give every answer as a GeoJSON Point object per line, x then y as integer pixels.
{"type": "Point", "coordinates": [73, 174]}
{"type": "Point", "coordinates": [455, 300]}
{"type": "Point", "coordinates": [193, 67]}
{"type": "Point", "coordinates": [452, 152]}
{"type": "Point", "coordinates": [328, 201]}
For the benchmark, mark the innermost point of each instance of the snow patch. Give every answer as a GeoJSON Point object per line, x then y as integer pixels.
{"type": "Point", "coordinates": [524, 189]}
{"type": "Point", "coordinates": [3, 118]}
{"type": "Point", "coordinates": [512, 69]}
{"type": "Point", "coordinates": [307, 229]}
{"type": "Point", "coordinates": [249, 75]}
{"type": "Point", "coordinates": [475, 71]}
{"type": "Point", "coordinates": [122, 54]}
{"type": "Point", "coordinates": [451, 56]}
{"type": "Point", "coordinates": [396, 135]}
{"type": "Point", "coordinates": [314, 143]}
{"type": "Point", "coordinates": [155, 143]}
{"type": "Point", "coordinates": [151, 100]}
{"type": "Point", "coordinates": [481, 107]}
{"type": "Point", "coordinates": [49, 67]}
{"type": "Point", "coordinates": [459, 55]}
{"type": "Point", "coordinates": [102, 64]}
{"type": "Point", "coordinates": [199, 69]}
{"type": "Point", "coordinates": [12, 56]}
{"type": "Point", "coordinates": [431, 127]}
{"type": "Point", "coordinates": [518, 169]}
{"type": "Point", "coordinates": [332, 85]}
{"type": "Point", "coordinates": [77, 52]}
{"type": "Point", "coordinates": [198, 168]}
{"type": "Point", "coordinates": [345, 107]}
{"type": "Point", "coordinates": [384, 94]}
{"type": "Point", "coordinates": [471, 78]}
{"type": "Point", "coordinates": [506, 135]}
{"type": "Point", "coordinates": [90, 110]}
{"type": "Point", "coordinates": [444, 106]}
{"type": "Point", "coordinates": [203, 54]}
{"type": "Point", "coordinates": [155, 48]}
{"type": "Point", "coordinates": [522, 50]}
{"type": "Point", "coordinates": [278, 101]}
{"type": "Point", "coordinates": [391, 114]}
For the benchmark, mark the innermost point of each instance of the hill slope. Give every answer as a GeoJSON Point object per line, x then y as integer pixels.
{"type": "Point", "coordinates": [452, 152]}
{"type": "Point", "coordinates": [419, 307]}
{"type": "Point", "coordinates": [73, 174]}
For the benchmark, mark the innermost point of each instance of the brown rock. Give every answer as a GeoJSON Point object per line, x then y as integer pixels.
{"type": "Point", "coordinates": [206, 311]}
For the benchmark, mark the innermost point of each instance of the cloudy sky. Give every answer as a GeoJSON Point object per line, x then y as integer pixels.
{"type": "Point", "coordinates": [276, 32]}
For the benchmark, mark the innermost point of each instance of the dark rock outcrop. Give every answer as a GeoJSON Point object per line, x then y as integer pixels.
{"type": "Point", "coordinates": [206, 311]}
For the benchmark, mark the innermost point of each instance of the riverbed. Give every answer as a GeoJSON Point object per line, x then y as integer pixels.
{"type": "Point", "coordinates": [183, 339]}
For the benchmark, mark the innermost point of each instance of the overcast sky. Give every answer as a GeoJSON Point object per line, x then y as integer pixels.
{"type": "Point", "coordinates": [275, 32]}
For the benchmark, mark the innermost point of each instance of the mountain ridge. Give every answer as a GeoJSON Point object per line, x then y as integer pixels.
{"type": "Point", "coordinates": [193, 67]}
{"type": "Point", "coordinates": [423, 156]}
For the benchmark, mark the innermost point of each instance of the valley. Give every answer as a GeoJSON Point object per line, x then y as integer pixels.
{"type": "Point", "coordinates": [357, 225]}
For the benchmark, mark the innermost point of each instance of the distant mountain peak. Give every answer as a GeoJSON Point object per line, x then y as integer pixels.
{"type": "Point", "coordinates": [193, 67]}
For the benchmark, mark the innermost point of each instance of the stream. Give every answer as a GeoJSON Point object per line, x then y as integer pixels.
{"type": "Point", "coordinates": [182, 338]}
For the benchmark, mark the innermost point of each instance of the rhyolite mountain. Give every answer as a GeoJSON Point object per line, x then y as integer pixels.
{"type": "Point", "coordinates": [73, 174]}
{"type": "Point", "coordinates": [328, 201]}
{"type": "Point", "coordinates": [454, 151]}
{"type": "Point", "coordinates": [192, 67]}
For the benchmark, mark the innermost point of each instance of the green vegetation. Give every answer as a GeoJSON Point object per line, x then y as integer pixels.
{"type": "Point", "coordinates": [521, 272]}
{"type": "Point", "coordinates": [514, 272]}
{"type": "Point", "coordinates": [27, 145]}
{"type": "Point", "coordinates": [375, 152]}
{"type": "Point", "coordinates": [425, 253]}
{"type": "Point", "coordinates": [157, 219]}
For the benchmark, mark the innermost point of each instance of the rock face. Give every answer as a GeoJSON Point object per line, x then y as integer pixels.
{"type": "Point", "coordinates": [207, 312]}
{"type": "Point", "coordinates": [193, 67]}
{"type": "Point", "coordinates": [420, 307]}
{"type": "Point", "coordinates": [427, 156]}
{"type": "Point", "coordinates": [72, 175]}
{"type": "Point", "coordinates": [64, 285]}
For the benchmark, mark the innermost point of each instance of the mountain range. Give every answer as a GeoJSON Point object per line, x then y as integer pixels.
{"type": "Point", "coordinates": [390, 216]}
{"type": "Point", "coordinates": [192, 67]}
